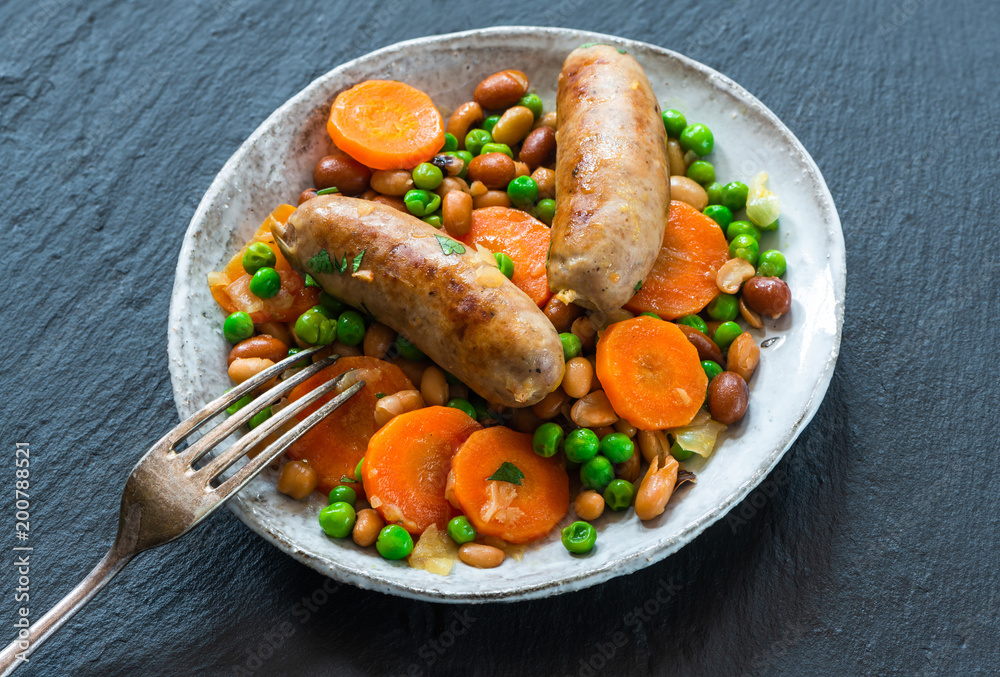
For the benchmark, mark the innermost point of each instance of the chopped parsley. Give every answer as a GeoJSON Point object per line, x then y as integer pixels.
{"type": "Point", "coordinates": [321, 262]}
{"type": "Point", "coordinates": [507, 472]}
{"type": "Point", "coordinates": [345, 478]}
{"type": "Point", "coordinates": [357, 260]}
{"type": "Point", "coordinates": [638, 286]}
{"type": "Point", "coordinates": [449, 246]}
{"type": "Point", "coordinates": [327, 191]}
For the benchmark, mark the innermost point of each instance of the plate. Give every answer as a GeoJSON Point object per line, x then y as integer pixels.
{"type": "Point", "coordinates": [276, 163]}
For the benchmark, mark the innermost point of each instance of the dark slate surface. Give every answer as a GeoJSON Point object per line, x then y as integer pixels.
{"type": "Point", "coordinates": [872, 548]}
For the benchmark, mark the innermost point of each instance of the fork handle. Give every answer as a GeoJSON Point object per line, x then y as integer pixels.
{"type": "Point", "coordinates": [17, 652]}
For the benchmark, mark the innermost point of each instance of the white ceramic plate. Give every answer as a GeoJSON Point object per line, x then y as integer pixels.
{"type": "Point", "coordinates": [276, 163]}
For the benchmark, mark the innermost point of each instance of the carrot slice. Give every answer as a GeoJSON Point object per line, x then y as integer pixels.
{"type": "Point", "coordinates": [517, 514]}
{"type": "Point", "coordinates": [650, 373]}
{"type": "Point", "coordinates": [520, 236]}
{"type": "Point", "coordinates": [334, 447]}
{"type": "Point", "coordinates": [231, 287]}
{"type": "Point", "coordinates": [682, 280]}
{"type": "Point", "coordinates": [407, 463]}
{"type": "Point", "coordinates": [386, 124]}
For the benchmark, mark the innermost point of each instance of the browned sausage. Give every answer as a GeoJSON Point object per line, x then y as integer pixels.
{"type": "Point", "coordinates": [448, 300]}
{"type": "Point", "coordinates": [612, 179]}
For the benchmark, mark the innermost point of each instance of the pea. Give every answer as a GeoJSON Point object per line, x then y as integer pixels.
{"type": "Point", "coordinates": [421, 202]}
{"type": "Point", "coordinates": [257, 256]}
{"type": "Point", "coordinates": [522, 191]}
{"type": "Point", "coordinates": [462, 405]}
{"type": "Point", "coordinates": [547, 439]}
{"type": "Point", "coordinates": [394, 542]}
{"type": "Point", "coordinates": [617, 447]}
{"type": "Point", "coordinates": [545, 210]}
{"type": "Point", "coordinates": [581, 445]}
{"type": "Point", "coordinates": [697, 137]}
{"type": "Point", "coordinates": [259, 417]}
{"type": "Point", "coordinates": [466, 157]}
{"type": "Point", "coordinates": [579, 538]}
{"type": "Point", "coordinates": [744, 247]}
{"type": "Point", "coordinates": [674, 122]}
{"type": "Point", "coordinates": [714, 191]}
{"type": "Point", "coordinates": [712, 369]}
{"type": "Point", "coordinates": [597, 473]}
{"type": "Point", "coordinates": [343, 494]}
{"type": "Point", "coordinates": [532, 102]}
{"type": "Point", "coordinates": [701, 171]}
{"type": "Point", "coordinates": [679, 452]}
{"type": "Point", "coordinates": [427, 176]}
{"type": "Point", "coordinates": [315, 328]}
{"type": "Point", "coordinates": [475, 140]}
{"type": "Point", "coordinates": [301, 363]}
{"type": "Point", "coordinates": [497, 148]}
{"type": "Point", "coordinates": [239, 404]}
{"type": "Point", "coordinates": [450, 143]}
{"type": "Point", "coordinates": [695, 322]}
{"type": "Point", "coordinates": [434, 219]}
{"type": "Point", "coordinates": [720, 214]}
{"type": "Point", "coordinates": [350, 328]}
{"type": "Point", "coordinates": [331, 304]}
{"type": "Point", "coordinates": [460, 530]}
{"type": "Point", "coordinates": [451, 378]}
{"type": "Point", "coordinates": [408, 351]}
{"type": "Point", "coordinates": [619, 494]}
{"type": "Point", "coordinates": [571, 345]}
{"type": "Point", "coordinates": [505, 264]}
{"type": "Point", "coordinates": [771, 263]}
{"type": "Point", "coordinates": [650, 313]}
{"type": "Point", "coordinates": [726, 334]}
{"type": "Point", "coordinates": [490, 122]}
{"type": "Point", "coordinates": [723, 307]}
{"type": "Point", "coordinates": [238, 326]}
{"type": "Point", "coordinates": [337, 519]}
{"type": "Point", "coordinates": [737, 228]}
{"type": "Point", "coordinates": [734, 195]}
{"type": "Point", "coordinates": [265, 283]}
{"type": "Point", "coordinates": [357, 469]}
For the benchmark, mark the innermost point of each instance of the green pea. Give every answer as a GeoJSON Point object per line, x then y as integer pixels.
{"type": "Point", "coordinates": [265, 283]}
{"type": "Point", "coordinates": [650, 313]}
{"type": "Point", "coordinates": [737, 228]}
{"type": "Point", "coordinates": [497, 148]}
{"type": "Point", "coordinates": [239, 404]}
{"type": "Point", "coordinates": [331, 304]}
{"type": "Point", "coordinates": [674, 122]}
{"type": "Point", "coordinates": [522, 191]}
{"type": "Point", "coordinates": [460, 530]}
{"type": "Point", "coordinates": [257, 256]}
{"type": "Point", "coordinates": [350, 328]}
{"type": "Point", "coordinates": [490, 122]}
{"type": "Point", "coordinates": [466, 157]}
{"type": "Point", "coordinates": [450, 143]}
{"type": "Point", "coordinates": [394, 542]}
{"type": "Point", "coordinates": [301, 363]}
{"type": "Point", "coordinates": [734, 195]}
{"type": "Point", "coordinates": [712, 369]}
{"type": "Point", "coordinates": [695, 322]}
{"type": "Point", "coordinates": [357, 469]}
{"type": "Point", "coordinates": [579, 538]}
{"type": "Point", "coordinates": [619, 494]}
{"type": "Point", "coordinates": [571, 345]}
{"type": "Point", "coordinates": [259, 417]}
{"type": "Point", "coordinates": [545, 210]}
{"type": "Point", "coordinates": [475, 140]}
{"type": "Point", "coordinates": [744, 247]}
{"type": "Point", "coordinates": [532, 102]}
{"type": "Point", "coordinates": [462, 405]}
{"type": "Point", "coordinates": [720, 214]}
{"type": "Point", "coordinates": [421, 202]}
{"type": "Point", "coordinates": [723, 307]}
{"type": "Point", "coordinates": [315, 328]}
{"type": "Point", "coordinates": [726, 334]}
{"type": "Point", "coordinates": [238, 326]}
{"type": "Point", "coordinates": [679, 452]}
{"type": "Point", "coordinates": [697, 137]}
{"type": "Point", "coordinates": [408, 351]}
{"type": "Point", "coordinates": [714, 191]}
{"type": "Point", "coordinates": [581, 445]}
{"type": "Point", "coordinates": [434, 220]}
{"type": "Point", "coordinates": [343, 494]}
{"type": "Point", "coordinates": [771, 263]}
{"type": "Point", "coordinates": [547, 439]}
{"type": "Point", "coordinates": [451, 378]}
{"type": "Point", "coordinates": [617, 447]}
{"type": "Point", "coordinates": [596, 473]}
{"type": "Point", "coordinates": [701, 171]}
{"type": "Point", "coordinates": [505, 264]}
{"type": "Point", "coordinates": [427, 176]}
{"type": "Point", "coordinates": [337, 519]}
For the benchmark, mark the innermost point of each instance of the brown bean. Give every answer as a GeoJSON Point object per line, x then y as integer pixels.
{"type": "Point", "coordinates": [593, 410]}
{"type": "Point", "coordinates": [456, 212]}
{"type": "Point", "coordinates": [549, 119]}
{"type": "Point", "coordinates": [391, 201]}
{"type": "Point", "coordinates": [752, 318]}
{"type": "Point", "coordinates": [491, 198]}
{"type": "Point", "coordinates": [369, 523]}
{"type": "Point", "coordinates": [395, 404]}
{"type": "Point", "coordinates": [560, 314]}
{"type": "Point", "coordinates": [449, 184]}
{"type": "Point", "coordinates": [656, 488]}
{"type": "Point", "coordinates": [341, 349]}
{"type": "Point", "coordinates": [392, 181]}
{"type": "Point", "coordinates": [481, 556]}
{"type": "Point", "coordinates": [459, 390]}
{"type": "Point", "coordinates": [297, 479]}
{"type": "Point", "coordinates": [259, 346]}
{"type": "Point", "coordinates": [626, 428]}
{"type": "Point", "coordinates": [342, 171]}
{"type": "Point", "coordinates": [768, 296]}
{"type": "Point", "coordinates": [244, 368]}
{"type": "Point", "coordinates": [495, 170]}
{"type": "Point", "coordinates": [378, 340]}
{"type": "Point", "coordinates": [448, 164]}
{"type": "Point", "coordinates": [307, 194]}
{"type": "Point", "coordinates": [551, 404]}
{"type": "Point", "coordinates": [434, 387]}
{"type": "Point", "coordinates": [688, 190]}
{"type": "Point", "coordinates": [477, 188]}
{"type": "Point", "coordinates": [732, 274]}
{"type": "Point", "coordinates": [413, 370]}
{"type": "Point", "coordinates": [276, 329]}
{"type": "Point", "coordinates": [728, 396]}
{"type": "Point", "coordinates": [603, 431]}
{"type": "Point", "coordinates": [675, 156]}
{"type": "Point", "coordinates": [629, 470]}
{"type": "Point", "coordinates": [514, 125]}
{"type": "Point", "coordinates": [539, 147]}
{"type": "Point", "coordinates": [525, 421]}
{"type": "Point", "coordinates": [743, 356]}
{"type": "Point", "coordinates": [589, 505]}
{"type": "Point", "coordinates": [464, 117]}
{"type": "Point", "coordinates": [546, 180]}
{"type": "Point", "coordinates": [584, 330]}
{"type": "Point", "coordinates": [578, 376]}
{"type": "Point", "coordinates": [501, 90]}
{"type": "Point", "coordinates": [368, 195]}
{"type": "Point", "coordinates": [707, 350]}
{"type": "Point", "coordinates": [651, 443]}
{"type": "Point", "coordinates": [521, 169]}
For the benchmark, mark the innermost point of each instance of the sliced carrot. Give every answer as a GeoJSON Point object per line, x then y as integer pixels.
{"type": "Point", "coordinates": [520, 236]}
{"type": "Point", "coordinates": [386, 124]}
{"type": "Point", "coordinates": [339, 441]}
{"type": "Point", "coordinates": [407, 463]}
{"type": "Point", "coordinates": [650, 373]}
{"type": "Point", "coordinates": [516, 513]}
{"type": "Point", "coordinates": [682, 280]}
{"type": "Point", "coordinates": [231, 286]}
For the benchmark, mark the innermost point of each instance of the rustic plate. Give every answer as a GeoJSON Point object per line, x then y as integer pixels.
{"type": "Point", "coordinates": [275, 164]}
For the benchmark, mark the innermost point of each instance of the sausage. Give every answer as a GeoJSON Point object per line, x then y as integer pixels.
{"type": "Point", "coordinates": [448, 300]}
{"type": "Point", "coordinates": [612, 179]}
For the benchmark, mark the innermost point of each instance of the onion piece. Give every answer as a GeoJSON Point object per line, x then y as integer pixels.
{"type": "Point", "coordinates": [700, 435]}
{"type": "Point", "coordinates": [763, 208]}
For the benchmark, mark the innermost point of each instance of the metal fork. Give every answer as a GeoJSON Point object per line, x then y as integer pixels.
{"type": "Point", "coordinates": [167, 495]}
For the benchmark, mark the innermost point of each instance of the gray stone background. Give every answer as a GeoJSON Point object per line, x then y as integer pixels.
{"type": "Point", "coordinates": [871, 549]}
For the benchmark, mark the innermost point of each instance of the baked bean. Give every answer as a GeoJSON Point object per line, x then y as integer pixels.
{"type": "Point", "coordinates": [549, 119]}
{"type": "Point", "coordinates": [539, 147]}
{"type": "Point", "coordinates": [392, 181]}
{"type": "Point", "coordinates": [343, 350]}
{"type": "Point", "coordinates": [392, 201]}
{"type": "Point", "coordinates": [378, 340]}
{"type": "Point", "coordinates": [348, 175]}
{"type": "Point", "coordinates": [616, 315]}
{"type": "Point", "coordinates": [687, 190]}
{"type": "Point", "coordinates": [449, 184]}
{"type": "Point", "coordinates": [297, 479]}
{"type": "Point", "coordinates": [628, 470]}
{"type": "Point", "coordinates": [675, 157]}
{"type": "Point", "coordinates": [501, 90]}
{"type": "Point", "coordinates": [367, 526]}
{"type": "Point", "coordinates": [525, 421]}
{"type": "Point", "coordinates": [589, 505]}
{"type": "Point", "coordinates": [578, 376]}
{"type": "Point", "coordinates": [626, 428]}
{"type": "Point", "coordinates": [707, 350]}
{"type": "Point", "coordinates": [728, 396]}
{"type": "Point", "coordinates": [595, 383]}
{"type": "Point", "coordinates": [413, 370]}
{"type": "Point", "coordinates": [395, 404]}
{"type": "Point", "coordinates": [546, 180]}
{"type": "Point", "coordinates": [584, 330]}
{"type": "Point", "coordinates": [276, 329]}
{"type": "Point", "coordinates": [477, 188]}
{"type": "Point", "coordinates": [743, 356]}
{"type": "Point", "coordinates": [491, 198]}
{"type": "Point", "coordinates": [768, 296]}
{"type": "Point", "coordinates": [752, 318]}
{"type": "Point", "coordinates": [459, 390]}
{"type": "Point", "coordinates": [464, 117]}
{"type": "Point", "coordinates": [603, 431]}
{"type": "Point", "coordinates": [551, 404]}
{"type": "Point", "coordinates": [656, 488]}
{"type": "Point", "coordinates": [521, 169]}
{"type": "Point", "coordinates": [481, 556]}
{"type": "Point", "coordinates": [307, 194]}
{"type": "Point", "coordinates": [244, 368]}
{"type": "Point", "coordinates": [495, 170]}
{"type": "Point", "coordinates": [560, 314]}
{"type": "Point", "coordinates": [368, 195]}
{"type": "Point", "coordinates": [732, 274]}
{"type": "Point", "coordinates": [513, 125]}
{"type": "Point", "coordinates": [593, 411]}
{"type": "Point", "coordinates": [456, 212]}
{"type": "Point", "coordinates": [259, 346]}
{"type": "Point", "coordinates": [434, 387]}
{"type": "Point", "coordinates": [448, 164]}
{"type": "Point", "coordinates": [652, 443]}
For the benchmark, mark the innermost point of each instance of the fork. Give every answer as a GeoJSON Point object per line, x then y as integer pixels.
{"type": "Point", "coordinates": [167, 495]}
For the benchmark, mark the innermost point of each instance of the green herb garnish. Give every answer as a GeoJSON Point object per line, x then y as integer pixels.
{"type": "Point", "coordinates": [507, 472]}
{"type": "Point", "coordinates": [341, 265]}
{"type": "Point", "coordinates": [327, 191]}
{"type": "Point", "coordinates": [638, 286]}
{"type": "Point", "coordinates": [345, 478]}
{"type": "Point", "coordinates": [449, 246]}
{"type": "Point", "coordinates": [357, 261]}
{"type": "Point", "coordinates": [321, 262]}
{"type": "Point", "coordinates": [379, 396]}
{"type": "Point", "coordinates": [310, 282]}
